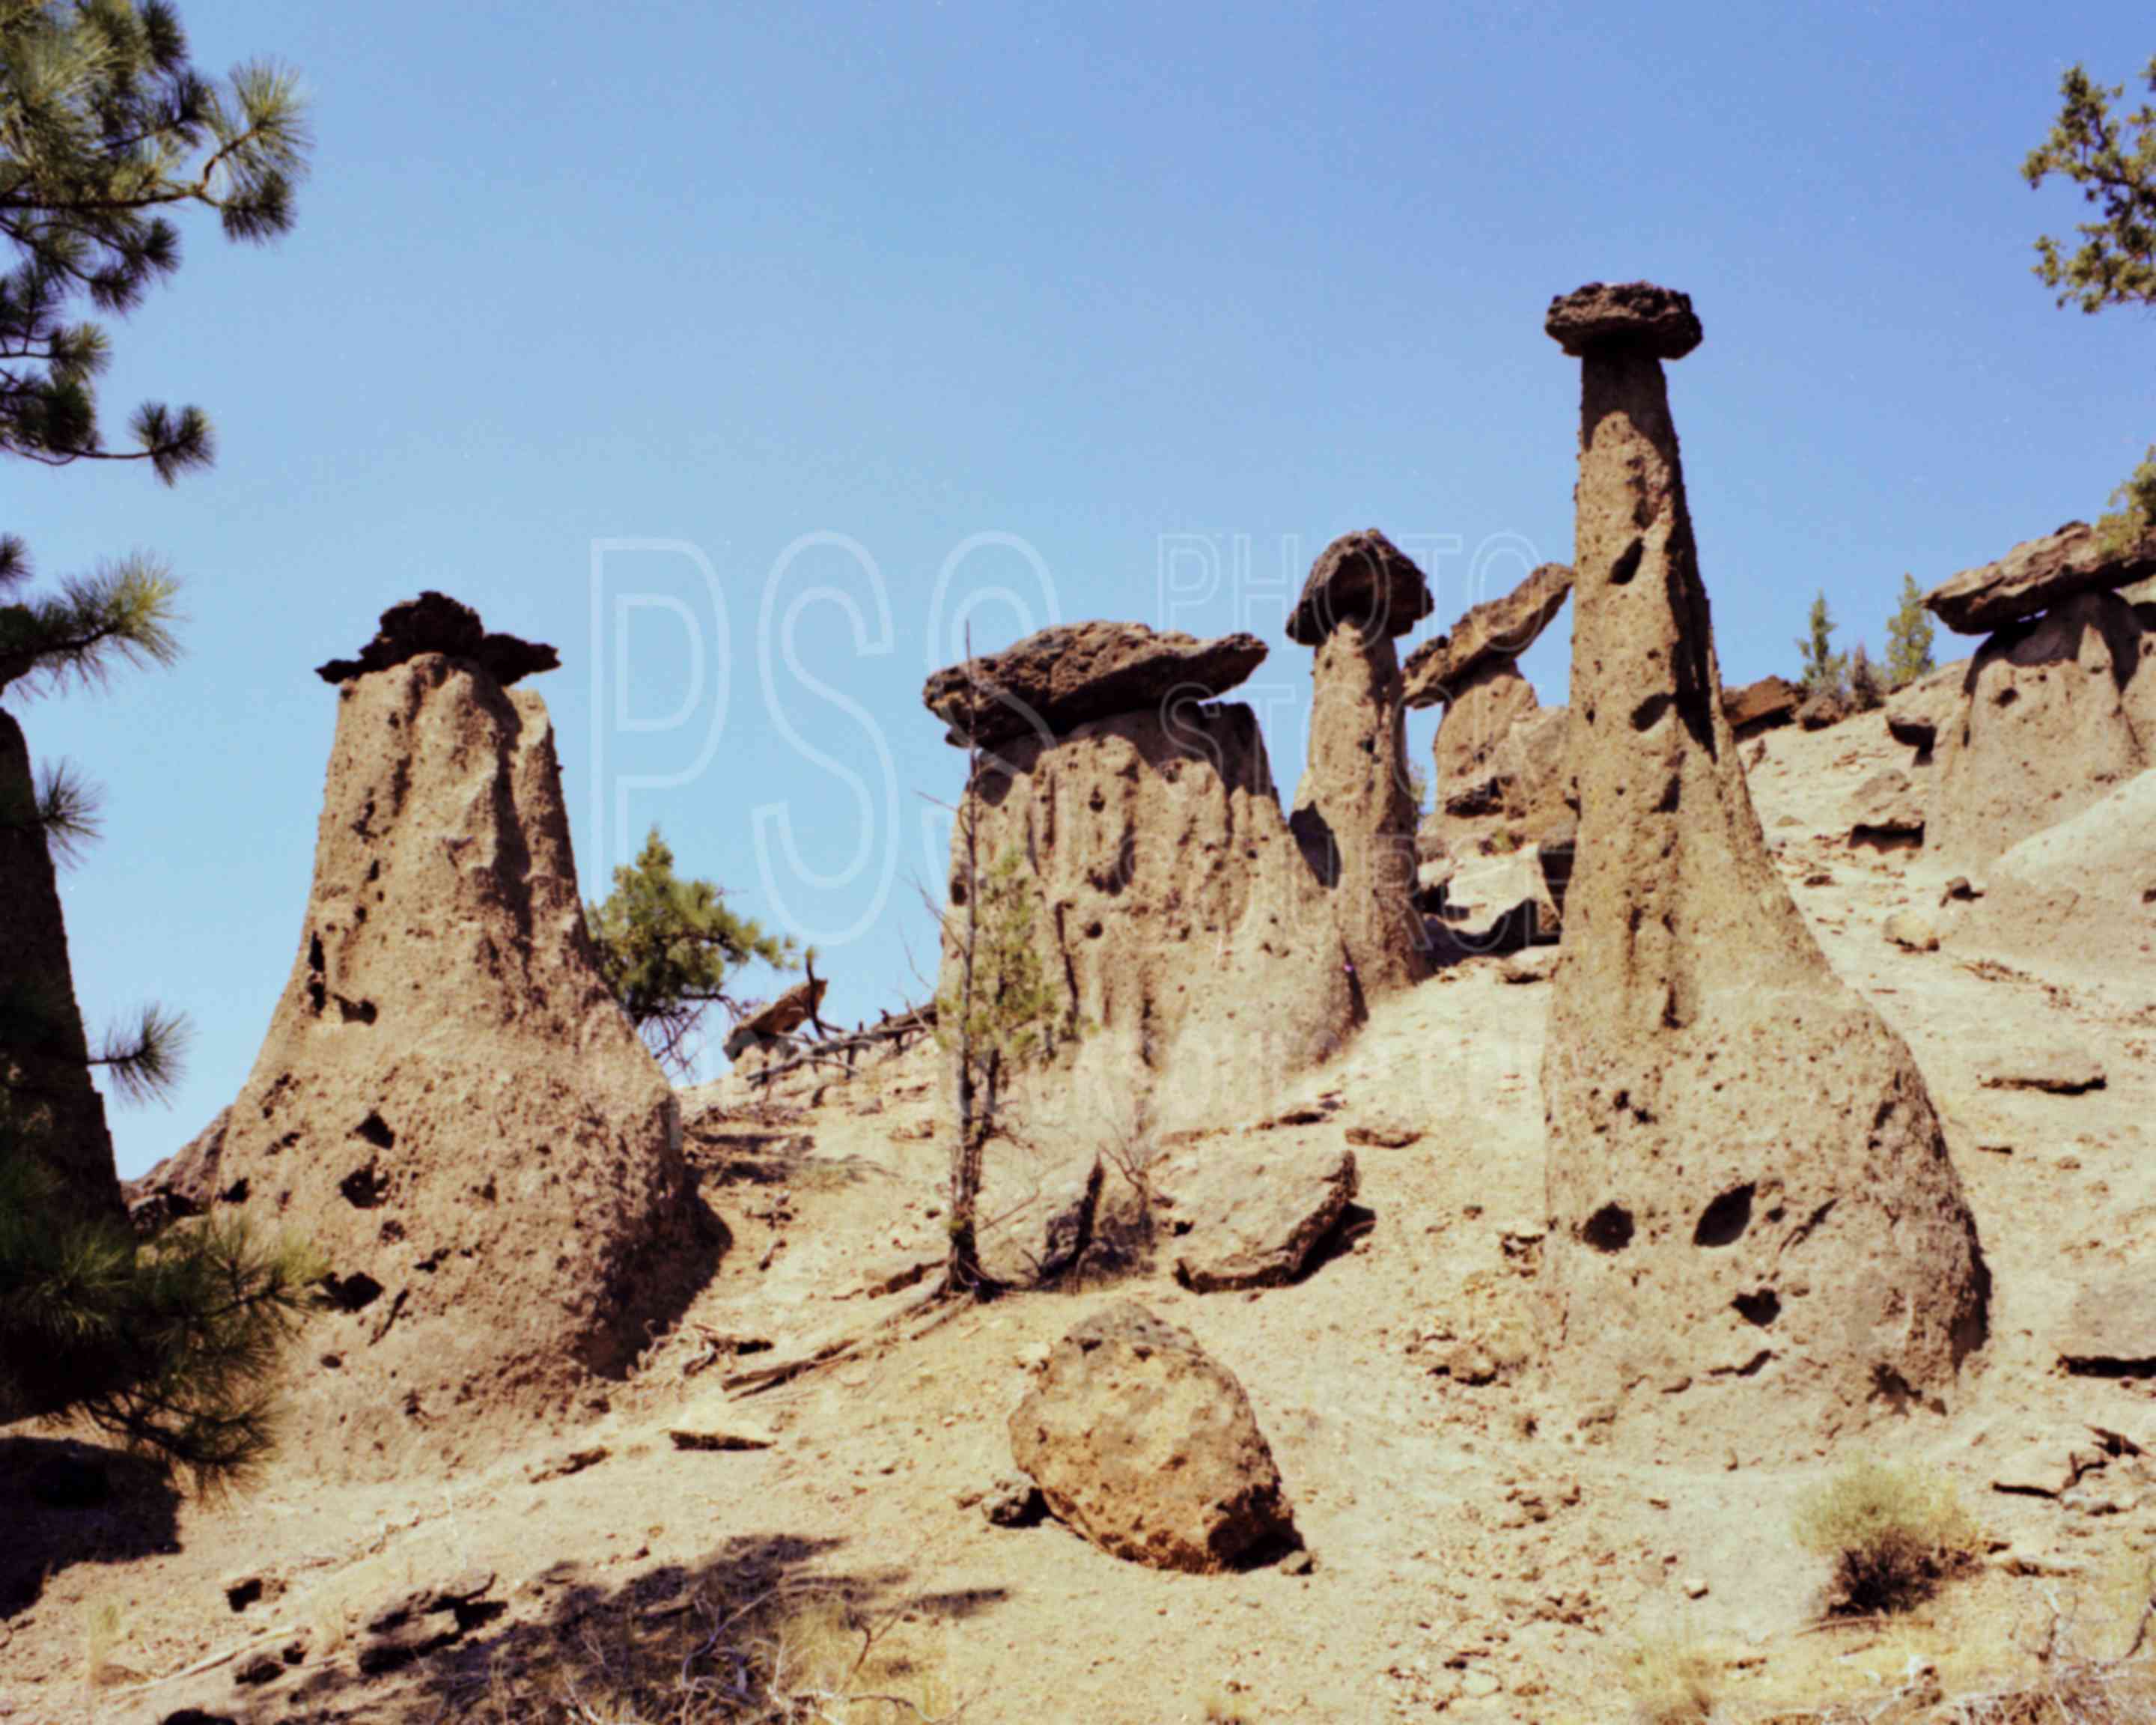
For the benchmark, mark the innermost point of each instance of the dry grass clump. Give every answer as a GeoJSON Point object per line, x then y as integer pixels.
{"type": "Point", "coordinates": [1894, 1533]}
{"type": "Point", "coordinates": [1671, 1683]}
{"type": "Point", "coordinates": [801, 1658]}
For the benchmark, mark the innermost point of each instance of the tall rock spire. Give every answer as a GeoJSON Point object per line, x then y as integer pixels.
{"type": "Point", "coordinates": [1750, 1196]}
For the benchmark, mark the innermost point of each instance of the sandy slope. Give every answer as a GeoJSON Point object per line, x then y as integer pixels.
{"type": "Point", "coordinates": [1490, 1550]}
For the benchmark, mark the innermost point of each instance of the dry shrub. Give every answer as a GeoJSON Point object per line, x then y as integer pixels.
{"type": "Point", "coordinates": [1670, 1682]}
{"type": "Point", "coordinates": [812, 1657]}
{"type": "Point", "coordinates": [1894, 1533]}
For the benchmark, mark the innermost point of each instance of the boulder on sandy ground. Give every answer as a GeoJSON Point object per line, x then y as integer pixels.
{"type": "Point", "coordinates": [1354, 815]}
{"type": "Point", "coordinates": [1917, 713]}
{"type": "Point", "coordinates": [1749, 1195]}
{"type": "Point", "coordinates": [2080, 895]}
{"type": "Point", "coordinates": [435, 623]}
{"type": "Point", "coordinates": [2111, 1330]}
{"type": "Point", "coordinates": [1176, 915]}
{"type": "Point", "coordinates": [2058, 1071]}
{"type": "Point", "coordinates": [1146, 1445]}
{"type": "Point", "coordinates": [1253, 1219]}
{"type": "Point", "coordinates": [1073, 673]}
{"type": "Point", "coordinates": [50, 1104]}
{"type": "Point", "coordinates": [184, 1184]}
{"type": "Point", "coordinates": [2038, 574]}
{"type": "Point", "coordinates": [2054, 713]}
{"type": "Point", "coordinates": [1762, 705]}
{"type": "Point", "coordinates": [1536, 964]}
{"type": "Point", "coordinates": [449, 1103]}
{"type": "Point", "coordinates": [1886, 810]}
{"type": "Point", "coordinates": [782, 1016]}
{"type": "Point", "coordinates": [1818, 712]}
{"type": "Point", "coordinates": [1500, 629]}
{"type": "Point", "coordinates": [1912, 931]}
{"type": "Point", "coordinates": [1362, 579]}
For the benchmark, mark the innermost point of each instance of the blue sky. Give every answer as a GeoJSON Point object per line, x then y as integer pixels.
{"type": "Point", "coordinates": [999, 300]}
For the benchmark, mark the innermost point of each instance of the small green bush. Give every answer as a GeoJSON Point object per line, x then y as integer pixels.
{"type": "Point", "coordinates": [1894, 1533]}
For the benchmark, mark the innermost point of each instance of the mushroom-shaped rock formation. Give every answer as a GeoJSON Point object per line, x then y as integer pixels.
{"type": "Point", "coordinates": [1497, 629]}
{"type": "Point", "coordinates": [1354, 813]}
{"type": "Point", "coordinates": [2055, 712]}
{"type": "Point", "coordinates": [1363, 579]}
{"type": "Point", "coordinates": [1173, 909]}
{"type": "Point", "coordinates": [1055, 680]}
{"type": "Point", "coordinates": [2038, 574]}
{"type": "Point", "coordinates": [435, 623]}
{"type": "Point", "coordinates": [1749, 1193]}
{"type": "Point", "coordinates": [49, 1106]}
{"type": "Point", "coordinates": [449, 1103]}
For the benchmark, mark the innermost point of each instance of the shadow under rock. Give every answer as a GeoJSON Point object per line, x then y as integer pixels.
{"type": "Point", "coordinates": [653, 1646]}
{"type": "Point", "coordinates": [64, 1502]}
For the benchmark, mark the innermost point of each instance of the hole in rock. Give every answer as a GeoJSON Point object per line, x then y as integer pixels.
{"type": "Point", "coordinates": [1628, 563]}
{"type": "Point", "coordinates": [376, 1131]}
{"type": "Point", "coordinates": [351, 1293]}
{"type": "Point", "coordinates": [363, 1187]}
{"type": "Point", "coordinates": [355, 1012]}
{"type": "Point", "coordinates": [236, 1193]}
{"type": "Point", "coordinates": [1648, 711]}
{"type": "Point", "coordinates": [1609, 1229]}
{"type": "Point", "coordinates": [1761, 1308]}
{"type": "Point", "coordinates": [1723, 1222]}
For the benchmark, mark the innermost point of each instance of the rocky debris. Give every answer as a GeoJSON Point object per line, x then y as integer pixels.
{"type": "Point", "coordinates": [1176, 912]}
{"type": "Point", "coordinates": [1536, 964]}
{"type": "Point", "coordinates": [1361, 580]}
{"type": "Point", "coordinates": [1632, 320]}
{"type": "Point", "coordinates": [1914, 933]}
{"type": "Point", "coordinates": [1495, 899]}
{"type": "Point", "coordinates": [184, 1184]}
{"type": "Point", "coordinates": [1073, 674]}
{"type": "Point", "coordinates": [716, 1423]}
{"type": "Point", "coordinates": [1762, 705]}
{"type": "Point", "coordinates": [1820, 710]}
{"type": "Point", "coordinates": [56, 1113]}
{"type": "Point", "coordinates": [2055, 713]}
{"type": "Point", "coordinates": [2111, 1331]}
{"type": "Point", "coordinates": [1142, 1442]}
{"type": "Point", "coordinates": [250, 1587]}
{"type": "Point", "coordinates": [2055, 1072]}
{"type": "Point", "coordinates": [2081, 893]}
{"type": "Point", "coordinates": [1495, 630]}
{"type": "Point", "coordinates": [1916, 713]}
{"type": "Point", "coordinates": [449, 1103]}
{"type": "Point", "coordinates": [1384, 1134]}
{"type": "Point", "coordinates": [1689, 1250]}
{"type": "Point", "coordinates": [782, 1017]}
{"type": "Point", "coordinates": [1014, 1500]}
{"type": "Point", "coordinates": [1252, 1219]}
{"type": "Point", "coordinates": [435, 623]}
{"type": "Point", "coordinates": [1354, 815]}
{"type": "Point", "coordinates": [2037, 575]}
{"type": "Point", "coordinates": [1888, 810]}
{"type": "Point", "coordinates": [427, 1619]}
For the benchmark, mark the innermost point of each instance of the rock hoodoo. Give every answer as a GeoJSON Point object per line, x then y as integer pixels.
{"type": "Point", "coordinates": [449, 1103]}
{"type": "Point", "coordinates": [1496, 630]}
{"type": "Point", "coordinates": [2055, 712]}
{"type": "Point", "coordinates": [1354, 813]}
{"type": "Point", "coordinates": [2039, 574]}
{"type": "Point", "coordinates": [47, 1095]}
{"type": "Point", "coordinates": [435, 623]}
{"type": "Point", "coordinates": [1176, 908]}
{"type": "Point", "coordinates": [1067, 675]}
{"type": "Point", "coordinates": [1146, 1445]}
{"type": "Point", "coordinates": [1749, 1193]}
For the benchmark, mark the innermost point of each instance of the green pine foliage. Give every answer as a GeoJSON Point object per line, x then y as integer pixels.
{"type": "Point", "coordinates": [2133, 507]}
{"type": "Point", "coordinates": [106, 130]}
{"type": "Point", "coordinates": [2111, 156]}
{"type": "Point", "coordinates": [667, 947]}
{"type": "Point", "coordinates": [1825, 672]}
{"type": "Point", "coordinates": [169, 1345]}
{"type": "Point", "coordinates": [1000, 1017]}
{"type": "Point", "coordinates": [1866, 690]}
{"type": "Point", "coordinates": [1909, 635]}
